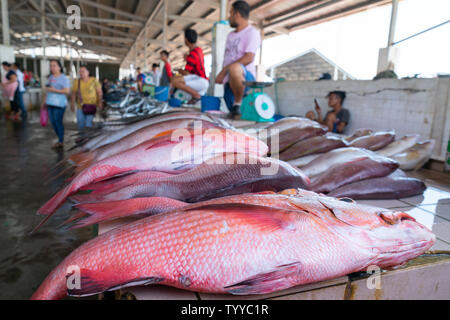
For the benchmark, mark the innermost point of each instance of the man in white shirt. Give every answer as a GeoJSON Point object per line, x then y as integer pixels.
{"type": "Point", "coordinates": [156, 75]}
{"type": "Point", "coordinates": [240, 50]}
{"type": "Point", "coordinates": [18, 97]}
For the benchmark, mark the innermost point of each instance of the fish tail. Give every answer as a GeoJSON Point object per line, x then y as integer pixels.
{"type": "Point", "coordinates": [82, 159]}
{"type": "Point", "coordinates": [55, 202]}
{"type": "Point", "coordinates": [51, 289]}
{"type": "Point", "coordinates": [86, 198]}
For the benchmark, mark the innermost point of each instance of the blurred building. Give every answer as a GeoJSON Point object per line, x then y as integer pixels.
{"type": "Point", "coordinates": [309, 65]}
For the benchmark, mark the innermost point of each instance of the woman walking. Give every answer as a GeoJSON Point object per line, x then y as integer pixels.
{"type": "Point", "coordinates": [55, 99]}
{"type": "Point", "coordinates": [87, 91]}
{"type": "Point", "coordinates": [9, 86]}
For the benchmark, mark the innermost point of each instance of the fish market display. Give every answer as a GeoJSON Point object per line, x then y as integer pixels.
{"type": "Point", "coordinates": [415, 157]}
{"type": "Point", "coordinates": [268, 243]}
{"type": "Point", "coordinates": [363, 168]}
{"type": "Point", "coordinates": [227, 174]}
{"type": "Point", "coordinates": [319, 144]}
{"type": "Point", "coordinates": [399, 145]}
{"type": "Point", "coordinates": [389, 187]}
{"type": "Point", "coordinates": [166, 153]}
{"type": "Point", "coordinates": [374, 141]}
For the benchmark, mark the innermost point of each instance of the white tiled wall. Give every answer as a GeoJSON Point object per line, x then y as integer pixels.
{"type": "Point", "coordinates": [408, 106]}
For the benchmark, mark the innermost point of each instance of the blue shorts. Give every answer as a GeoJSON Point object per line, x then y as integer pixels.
{"type": "Point", "coordinates": [228, 94]}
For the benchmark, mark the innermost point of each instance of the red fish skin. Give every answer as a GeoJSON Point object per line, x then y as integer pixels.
{"type": "Point", "coordinates": [157, 155]}
{"type": "Point", "coordinates": [215, 247]}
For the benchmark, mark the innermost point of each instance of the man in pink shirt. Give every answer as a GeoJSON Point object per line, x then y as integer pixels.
{"type": "Point", "coordinates": [240, 50]}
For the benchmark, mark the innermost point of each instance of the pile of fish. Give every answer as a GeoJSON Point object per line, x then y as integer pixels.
{"type": "Point", "coordinates": [215, 214]}
{"type": "Point", "coordinates": [364, 165]}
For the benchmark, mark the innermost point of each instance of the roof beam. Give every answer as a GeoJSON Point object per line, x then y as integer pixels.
{"type": "Point", "coordinates": [191, 19]}
{"type": "Point", "coordinates": [111, 10]}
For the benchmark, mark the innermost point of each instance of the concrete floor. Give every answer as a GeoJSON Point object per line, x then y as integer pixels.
{"type": "Point", "coordinates": [26, 156]}
{"type": "Point", "coordinates": [25, 260]}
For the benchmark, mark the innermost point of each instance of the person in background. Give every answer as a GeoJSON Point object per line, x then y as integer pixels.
{"type": "Point", "coordinates": [105, 86]}
{"type": "Point", "coordinates": [156, 75]}
{"type": "Point", "coordinates": [18, 97]}
{"type": "Point", "coordinates": [193, 79]}
{"type": "Point", "coordinates": [9, 86]}
{"type": "Point", "coordinates": [337, 119]}
{"type": "Point", "coordinates": [167, 74]}
{"type": "Point", "coordinates": [55, 99]}
{"type": "Point", "coordinates": [238, 63]}
{"type": "Point", "coordinates": [87, 92]}
{"type": "Point", "coordinates": [140, 78]}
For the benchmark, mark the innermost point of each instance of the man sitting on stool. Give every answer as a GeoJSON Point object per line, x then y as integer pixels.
{"type": "Point", "coordinates": [238, 64]}
{"type": "Point", "coordinates": [193, 79]}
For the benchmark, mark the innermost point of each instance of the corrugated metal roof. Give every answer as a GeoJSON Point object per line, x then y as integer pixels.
{"type": "Point", "coordinates": [112, 26]}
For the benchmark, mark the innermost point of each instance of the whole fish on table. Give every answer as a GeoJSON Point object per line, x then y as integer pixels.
{"type": "Point", "coordinates": [338, 156]}
{"type": "Point", "coordinates": [374, 141]}
{"type": "Point", "coordinates": [389, 187]}
{"type": "Point", "coordinates": [223, 175]}
{"type": "Point", "coordinates": [356, 170]}
{"type": "Point", "coordinates": [313, 145]}
{"type": "Point", "coordinates": [107, 138]}
{"type": "Point", "coordinates": [399, 145]}
{"type": "Point", "coordinates": [290, 130]}
{"type": "Point", "coordinates": [84, 159]}
{"type": "Point", "coordinates": [166, 153]}
{"type": "Point", "coordinates": [241, 248]}
{"type": "Point", "coordinates": [415, 157]}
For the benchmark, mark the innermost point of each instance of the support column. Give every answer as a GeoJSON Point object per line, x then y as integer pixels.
{"type": "Point", "coordinates": [61, 59]}
{"type": "Point", "coordinates": [165, 25]}
{"type": "Point", "coordinates": [223, 10]}
{"type": "Point", "coordinates": [145, 49]}
{"type": "Point", "coordinates": [25, 67]}
{"type": "Point", "coordinates": [5, 23]}
{"type": "Point", "coordinates": [386, 57]}
{"type": "Point", "coordinates": [44, 65]}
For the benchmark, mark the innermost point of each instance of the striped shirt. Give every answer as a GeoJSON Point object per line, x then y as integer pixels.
{"type": "Point", "coordinates": [195, 63]}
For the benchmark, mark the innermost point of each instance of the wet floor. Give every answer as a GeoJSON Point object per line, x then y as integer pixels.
{"type": "Point", "coordinates": [25, 260]}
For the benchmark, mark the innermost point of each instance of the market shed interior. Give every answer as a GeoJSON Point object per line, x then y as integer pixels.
{"type": "Point", "coordinates": [394, 155]}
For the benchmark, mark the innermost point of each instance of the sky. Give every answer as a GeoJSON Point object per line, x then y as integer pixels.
{"type": "Point", "coordinates": [353, 42]}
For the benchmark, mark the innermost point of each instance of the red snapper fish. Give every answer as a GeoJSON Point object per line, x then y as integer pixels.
{"type": "Point", "coordinates": [178, 149]}
{"type": "Point", "coordinates": [242, 245]}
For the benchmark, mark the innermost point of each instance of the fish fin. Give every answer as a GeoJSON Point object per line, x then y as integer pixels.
{"type": "Point", "coordinates": [266, 282]}
{"type": "Point", "coordinates": [95, 282]}
{"type": "Point", "coordinates": [264, 218]}
{"type": "Point", "coordinates": [73, 218]}
{"type": "Point", "coordinates": [104, 211]}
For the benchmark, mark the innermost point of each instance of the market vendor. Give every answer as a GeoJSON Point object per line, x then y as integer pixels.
{"type": "Point", "coordinates": [240, 50]}
{"type": "Point", "coordinates": [337, 119]}
{"type": "Point", "coordinates": [192, 79]}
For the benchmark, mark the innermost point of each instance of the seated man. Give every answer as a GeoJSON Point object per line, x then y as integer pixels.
{"type": "Point", "coordinates": [166, 76]}
{"type": "Point", "coordinates": [155, 74]}
{"type": "Point", "coordinates": [193, 79]}
{"type": "Point", "coordinates": [238, 64]}
{"type": "Point", "coordinates": [140, 78]}
{"type": "Point", "coordinates": [337, 119]}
